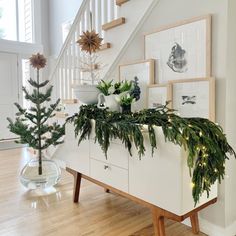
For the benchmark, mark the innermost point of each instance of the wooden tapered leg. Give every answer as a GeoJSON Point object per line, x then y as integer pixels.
{"type": "Point", "coordinates": [195, 223]}
{"type": "Point", "coordinates": [158, 222]}
{"type": "Point", "coordinates": [77, 183]}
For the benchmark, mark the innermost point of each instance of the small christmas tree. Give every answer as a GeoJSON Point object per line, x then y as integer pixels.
{"type": "Point", "coordinates": [31, 124]}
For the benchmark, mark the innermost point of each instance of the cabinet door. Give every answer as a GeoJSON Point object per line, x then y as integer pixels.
{"type": "Point", "coordinates": [157, 179]}
{"type": "Point", "coordinates": [74, 156]}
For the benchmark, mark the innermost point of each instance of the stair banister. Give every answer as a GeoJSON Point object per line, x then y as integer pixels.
{"type": "Point", "coordinates": [66, 70]}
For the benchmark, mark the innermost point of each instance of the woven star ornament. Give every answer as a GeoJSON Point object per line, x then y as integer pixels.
{"type": "Point", "coordinates": [38, 61]}
{"type": "Point", "coordinates": [90, 41]}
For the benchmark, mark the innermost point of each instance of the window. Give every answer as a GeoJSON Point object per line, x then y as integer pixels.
{"type": "Point", "coordinates": [16, 20]}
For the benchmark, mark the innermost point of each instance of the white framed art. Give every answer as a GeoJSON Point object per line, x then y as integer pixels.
{"type": "Point", "coordinates": [194, 97]}
{"type": "Point", "coordinates": [144, 71]}
{"type": "Point", "coordinates": [181, 50]}
{"type": "Point", "coordinates": [158, 95]}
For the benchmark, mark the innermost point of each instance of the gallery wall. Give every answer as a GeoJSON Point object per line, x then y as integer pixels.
{"type": "Point", "coordinates": [168, 12]}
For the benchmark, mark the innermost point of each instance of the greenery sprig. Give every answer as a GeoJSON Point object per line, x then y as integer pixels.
{"type": "Point", "coordinates": [204, 141]}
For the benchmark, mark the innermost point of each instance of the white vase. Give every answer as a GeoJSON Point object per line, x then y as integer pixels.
{"type": "Point", "coordinates": [109, 102]}
{"type": "Point", "coordinates": [87, 94]}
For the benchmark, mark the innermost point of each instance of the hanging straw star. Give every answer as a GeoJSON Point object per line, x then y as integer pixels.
{"type": "Point", "coordinates": [90, 41]}
{"type": "Point", "coordinates": [38, 61]}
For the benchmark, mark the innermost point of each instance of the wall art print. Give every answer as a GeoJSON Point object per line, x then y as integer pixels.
{"type": "Point", "coordinates": [158, 95]}
{"type": "Point", "coordinates": [182, 50]}
{"type": "Point", "coordinates": [194, 97]}
{"type": "Point", "coordinates": [144, 71]}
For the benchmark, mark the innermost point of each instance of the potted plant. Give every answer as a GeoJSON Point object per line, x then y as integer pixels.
{"type": "Point", "coordinates": [125, 102]}
{"type": "Point", "coordinates": [114, 95]}
{"type": "Point", "coordinates": [33, 128]}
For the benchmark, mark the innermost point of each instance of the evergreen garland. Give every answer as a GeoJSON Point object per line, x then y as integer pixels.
{"type": "Point", "coordinates": [204, 141]}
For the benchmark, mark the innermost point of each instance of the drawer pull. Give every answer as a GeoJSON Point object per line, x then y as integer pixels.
{"type": "Point", "coordinates": [106, 167]}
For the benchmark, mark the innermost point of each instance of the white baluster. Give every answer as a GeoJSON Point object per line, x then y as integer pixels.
{"type": "Point", "coordinates": [69, 70]}
{"type": "Point", "coordinates": [117, 11]}
{"type": "Point", "coordinates": [56, 84]}
{"type": "Point", "coordinates": [61, 80]}
{"type": "Point", "coordinates": [65, 75]}
{"type": "Point", "coordinates": [112, 10]}
{"type": "Point", "coordinates": [93, 12]}
{"type": "Point", "coordinates": [78, 76]}
{"type": "Point", "coordinates": [99, 17]}
{"type": "Point", "coordinates": [74, 57]}
{"type": "Point", "coordinates": [87, 17]}
{"type": "Point", "coordinates": [83, 27]}
{"type": "Point", "coordinates": [104, 12]}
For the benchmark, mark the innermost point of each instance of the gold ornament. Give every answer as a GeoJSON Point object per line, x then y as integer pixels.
{"type": "Point", "coordinates": [90, 41]}
{"type": "Point", "coordinates": [38, 61]}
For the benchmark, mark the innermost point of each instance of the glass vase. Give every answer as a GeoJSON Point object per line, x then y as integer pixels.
{"type": "Point", "coordinates": [31, 179]}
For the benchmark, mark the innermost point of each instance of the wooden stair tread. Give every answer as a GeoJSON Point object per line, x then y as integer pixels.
{"type": "Point", "coordinates": [105, 46]}
{"type": "Point", "coordinates": [70, 101]}
{"type": "Point", "coordinates": [114, 23]}
{"type": "Point", "coordinates": [60, 114]}
{"type": "Point", "coordinates": [120, 2]}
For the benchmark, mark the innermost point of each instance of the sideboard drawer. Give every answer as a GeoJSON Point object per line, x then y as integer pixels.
{"type": "Point", "coordinates": [109, 174]}
{"type": "Point", "coordinates": [117, 154]}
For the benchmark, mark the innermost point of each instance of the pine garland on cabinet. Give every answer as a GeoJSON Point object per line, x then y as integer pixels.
{"type": "Point", "coordinates": [204, 141]}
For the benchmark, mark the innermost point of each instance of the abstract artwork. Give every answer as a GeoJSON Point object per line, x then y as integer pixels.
{"type": "Point", "coordinates": [194, 97]}
{"type": "Point", "coordinates": [177, 60]}
{"type": "Point", "coordinates": [182, 50]}
{"type": "Point", "coordinates": [157, 96]}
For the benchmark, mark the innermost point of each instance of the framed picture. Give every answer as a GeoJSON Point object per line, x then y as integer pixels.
{"type": "Point", "coordinates": [158, 95]}
{"type": "Point", "coordinates": [194, 98]}
{"type": "Point", "coordinates": [144, 71]}
{"type": "Point", "coordinates": [181, 50]}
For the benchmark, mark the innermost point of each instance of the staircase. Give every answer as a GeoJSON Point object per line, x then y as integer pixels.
{"type": "Point", "coordinates": [116, 21]}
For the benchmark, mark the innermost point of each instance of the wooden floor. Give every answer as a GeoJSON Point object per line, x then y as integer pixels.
{"type": "Point", "coordinates": [23, 213]}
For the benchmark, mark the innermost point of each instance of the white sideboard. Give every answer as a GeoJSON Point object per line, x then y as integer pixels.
{"type": "Point", "coordinates": [161, 180]}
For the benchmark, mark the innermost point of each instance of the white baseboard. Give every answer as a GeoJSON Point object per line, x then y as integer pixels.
{"type": "Point", "coordinates": [214, 230]}
{"type": "Point", "coordinates": [10, 144]}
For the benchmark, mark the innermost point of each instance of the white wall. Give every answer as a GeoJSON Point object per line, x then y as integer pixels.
{"type": "Point", "coordinates": [231, 113]}
{"type": "Point", "coordinates": [223, 68]}
{"type": "Point", "coordinates": [60, 11]}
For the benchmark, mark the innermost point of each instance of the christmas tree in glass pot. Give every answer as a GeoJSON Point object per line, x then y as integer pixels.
{"type": "Point", "coordinates": [33, 128]}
